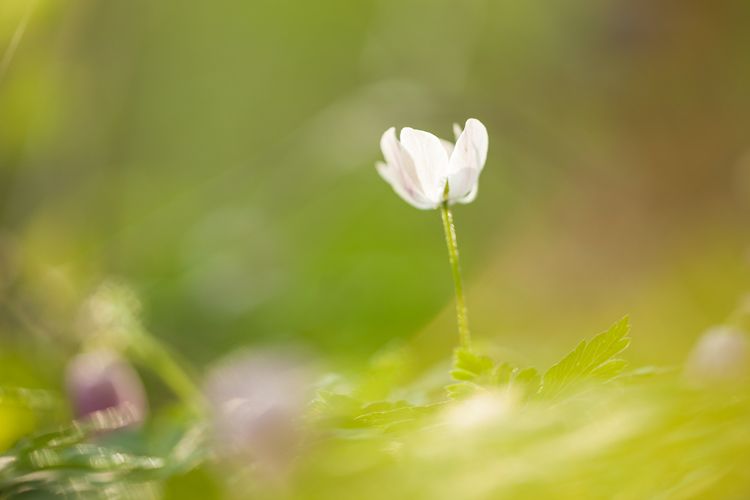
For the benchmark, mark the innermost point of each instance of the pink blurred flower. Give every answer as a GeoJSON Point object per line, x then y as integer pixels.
{"type": "Point", "coordinates": [102, 380]}
{"type": "Point", "coordinates": [259, 399]}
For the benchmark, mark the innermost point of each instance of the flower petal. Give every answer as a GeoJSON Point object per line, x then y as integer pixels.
{"type": "Point", "coordinates": [448, 146]}
{"type": "Point", "coordinates": [471, 147]}
{"type": "Point", "coordinates": [462, 183]}
{"type": "Point", "coordinates": [386, 172]}
{"type": "Point", "coordinates": [402, 186]}
{"type": "Point", "coordinates": [430, 161]}
{"type": "Point", "coordinates": [396, 155]}
{"type": "Point", "coordinates": [471, 196]}
{"type": "Point", "coordinates": [392, 151]}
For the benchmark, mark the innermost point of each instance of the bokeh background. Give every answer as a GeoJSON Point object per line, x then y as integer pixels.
{"type": "Point", "coordinates": [218, 157]}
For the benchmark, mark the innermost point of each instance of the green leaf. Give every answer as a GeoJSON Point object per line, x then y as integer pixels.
{"type": "Point", "coordinates": [462, 390]}
{"type": "Point", "coordinates": [502, 373]}
{"type": "Point", "coordinates": [334, 407]}
{"type": "Point", "coordinates": [646, 372]}
{"type": "Point", "coordinates": [595, 359]}
{"type": "Point", "coordinates": [609, 369]}
{"type": "Point", "coordinates": [399, 413]}
{"type": "Point", "coordinates": [528, 378]}
{"type": "Point", "coordinates": [82, 459]}
{"type": "Point", "coordinates": [469, 366]}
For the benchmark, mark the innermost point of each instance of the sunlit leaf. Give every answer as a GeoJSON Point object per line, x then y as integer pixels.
{"type": "Point", "coordinates": [593, 359]}
{"type": "Point", "coordinates": [469, 365]}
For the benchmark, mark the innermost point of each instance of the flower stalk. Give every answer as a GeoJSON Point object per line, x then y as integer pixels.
{"type": "Point", "coordinates": [110, 318]}
{"type": "Point", "coordinates": [432, 173]}
{"type": "Point", "coordinates": [449, 228]}
{"type": "Point", "coordinates": [161, 361]}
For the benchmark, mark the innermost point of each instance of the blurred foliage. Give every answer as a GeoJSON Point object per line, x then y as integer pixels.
{"type": "Point", "coordinates": [641, 434]}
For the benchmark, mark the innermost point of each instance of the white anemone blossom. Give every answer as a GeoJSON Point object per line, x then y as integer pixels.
{"type": "Point", "coordinates": [427, 171]}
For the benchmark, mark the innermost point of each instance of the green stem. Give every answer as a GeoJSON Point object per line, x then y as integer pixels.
{"type": "Point", "coordinates": [450, 239]}
{"type": "Point", "coordinates": [157, 357]}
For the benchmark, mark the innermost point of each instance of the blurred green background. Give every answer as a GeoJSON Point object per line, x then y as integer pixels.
{"type": "Point", "coordinates": [218, 157]}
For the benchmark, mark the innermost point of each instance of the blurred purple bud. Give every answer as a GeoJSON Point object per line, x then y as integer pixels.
{"type": "Point", "coordinates": [721, 355]}
{"type": "Point", "coordinates": [102, 380]}
{"type": "Point", "coordinates": [259, 399]}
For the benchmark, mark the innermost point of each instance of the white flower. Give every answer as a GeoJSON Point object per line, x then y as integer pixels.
{"type": "Point", "coordinates": [426, 171]}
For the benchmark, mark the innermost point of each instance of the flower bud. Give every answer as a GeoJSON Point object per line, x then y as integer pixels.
{"type": "Point", "coordinates": [102, 380]}
{"type": "Point", "coordinates": [721, 355]}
